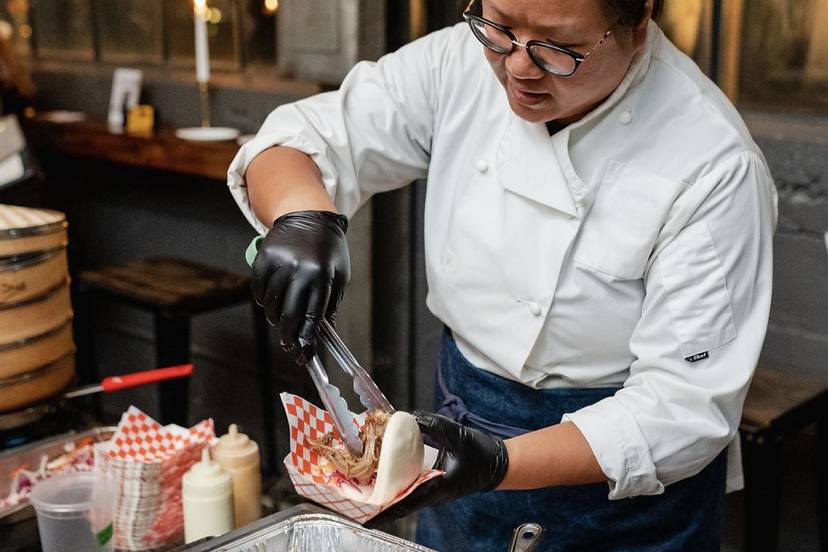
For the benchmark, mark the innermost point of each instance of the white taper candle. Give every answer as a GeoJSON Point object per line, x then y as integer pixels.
{"type": "Point", "coordinates": [202, 48]}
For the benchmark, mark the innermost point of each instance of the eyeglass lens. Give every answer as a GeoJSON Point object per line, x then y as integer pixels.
{"type": "Point", "coordinates": [550, 59]}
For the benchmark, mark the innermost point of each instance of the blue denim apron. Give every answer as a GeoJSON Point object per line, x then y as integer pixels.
{"type": "Point", "coordinates": [686, 517]}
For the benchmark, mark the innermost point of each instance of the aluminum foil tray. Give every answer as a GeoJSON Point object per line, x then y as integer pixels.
{"type": "Point", "coordinates": [305, 528]}
{"type": "Point", "coordinates": [30, 456]}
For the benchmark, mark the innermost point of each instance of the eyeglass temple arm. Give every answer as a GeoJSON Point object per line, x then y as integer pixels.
{"type": "Point", "coordinates": [603, 38]}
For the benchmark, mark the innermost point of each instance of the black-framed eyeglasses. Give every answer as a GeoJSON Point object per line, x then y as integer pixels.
{"type": "Point", "coordinates": [552, 58]}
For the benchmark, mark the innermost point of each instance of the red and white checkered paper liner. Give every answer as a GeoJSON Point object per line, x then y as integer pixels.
{"type": "Point", "coordinates": [139, 438]}
{"type": "Point", "coordinates": [147, 461]}
{"type": "Point", "coordinates": [312, 475]}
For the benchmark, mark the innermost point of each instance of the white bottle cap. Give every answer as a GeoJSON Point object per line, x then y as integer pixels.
{"type": "Point", "coordinates": [236, 450]}
{"type": "Point", "coordinates": [207, 479]}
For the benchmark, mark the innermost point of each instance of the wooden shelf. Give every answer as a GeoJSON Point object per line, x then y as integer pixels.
{"type": "Point", "coordinates": [162, 150]}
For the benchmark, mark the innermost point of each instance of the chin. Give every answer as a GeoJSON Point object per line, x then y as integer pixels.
{"type": "Point", "coordinates": [531, 115]}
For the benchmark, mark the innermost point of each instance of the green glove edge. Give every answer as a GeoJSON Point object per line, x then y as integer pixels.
{"type": "Point", "coordinates": [252, 250]}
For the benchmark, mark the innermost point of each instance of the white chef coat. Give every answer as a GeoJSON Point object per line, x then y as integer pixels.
{"type": "Point", "coordinates": [632, 248]}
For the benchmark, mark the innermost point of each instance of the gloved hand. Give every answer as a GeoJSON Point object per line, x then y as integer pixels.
{"type": "Point", "coordinates": [473, 461]}
{"type": "Point", "coordinates": [299, 275]}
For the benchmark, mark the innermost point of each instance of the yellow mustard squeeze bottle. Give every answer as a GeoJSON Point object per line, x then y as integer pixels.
{"type": "Point", "coordinates": [239, 455]}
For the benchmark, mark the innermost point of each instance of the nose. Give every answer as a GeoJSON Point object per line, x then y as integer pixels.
{"type": "Point", "coordinates": [520, 64]}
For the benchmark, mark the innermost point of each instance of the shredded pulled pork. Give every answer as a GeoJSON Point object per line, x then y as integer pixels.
{"type": "Point", "coordinates": [360, 469]}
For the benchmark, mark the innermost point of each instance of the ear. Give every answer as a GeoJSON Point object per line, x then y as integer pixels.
{"type": "Point", "coordinates": [640, 31]}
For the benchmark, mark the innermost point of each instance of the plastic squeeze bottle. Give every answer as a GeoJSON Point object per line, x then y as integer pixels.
{"type": "Point", "coordinates": [239, 455]}
{"type": "Point", "coordinates": [207, 497]}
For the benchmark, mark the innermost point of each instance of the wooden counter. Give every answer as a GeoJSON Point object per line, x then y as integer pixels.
{"type": "Point", "coordinates": [162, 150]}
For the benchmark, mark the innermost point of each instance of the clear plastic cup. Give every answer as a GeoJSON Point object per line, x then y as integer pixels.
{"type": "Point", "coordinates": [74, 512]}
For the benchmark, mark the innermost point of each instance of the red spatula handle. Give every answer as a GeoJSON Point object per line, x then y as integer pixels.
{"type": "Point", "coordinates": [115, 383]}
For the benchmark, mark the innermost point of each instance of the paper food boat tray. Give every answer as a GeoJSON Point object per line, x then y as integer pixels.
{"type": "Point", "coordinates": [304, 528]}
{"type": "Point", "coordinates": [311, 474]}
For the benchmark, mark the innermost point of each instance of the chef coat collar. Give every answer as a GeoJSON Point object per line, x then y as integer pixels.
{"type": "Point", "coordinates": [537, 167]}
{"type": "Point", "coordinates": [527, 166]}
{"type": "Point", "coordinates": [532, 165]}
{"type": "Point", "coordinates": [638, 69]}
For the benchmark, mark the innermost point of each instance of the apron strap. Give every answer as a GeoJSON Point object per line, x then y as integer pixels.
{"type": "Point", "coordinates": [453, 407]}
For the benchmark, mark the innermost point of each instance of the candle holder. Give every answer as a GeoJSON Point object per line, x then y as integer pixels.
{"type": "Point", "coordinates": [204, 95]}
{"type": "Point", "coordinates": [205, 132]}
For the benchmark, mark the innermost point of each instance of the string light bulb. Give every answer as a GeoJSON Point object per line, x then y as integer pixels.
{"type": "Point", "coordinates": [271, 6]}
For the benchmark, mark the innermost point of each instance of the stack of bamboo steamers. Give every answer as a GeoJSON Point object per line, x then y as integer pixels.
{"type": "Point", "coordinates": [36, 346]}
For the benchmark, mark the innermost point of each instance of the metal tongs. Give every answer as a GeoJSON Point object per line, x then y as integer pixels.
{"type": "Point", "coordinates": [369, 394]}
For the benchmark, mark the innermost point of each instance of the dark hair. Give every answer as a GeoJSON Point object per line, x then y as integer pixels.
{"type": "Point", "coordinates": [629, 13]}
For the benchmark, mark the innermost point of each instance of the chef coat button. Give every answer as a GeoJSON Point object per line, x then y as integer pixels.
{"type": "Point", "coordinates": [626, 117]}
{"type": "Point", "coordinates": [534, 308]}
{"type": "Point", "coordinates": [481, 166]}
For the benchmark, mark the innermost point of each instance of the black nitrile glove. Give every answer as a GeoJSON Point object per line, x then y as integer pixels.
{"type": "Point", "coordinates": [473, 461]}
{"type": "Point", "coordinates": [299, 275]}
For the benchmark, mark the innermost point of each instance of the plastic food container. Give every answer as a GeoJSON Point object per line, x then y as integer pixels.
{"type": "Point", "coordinates": [31, 456]}
{"type": "Point", "coordinates": [74, 513]}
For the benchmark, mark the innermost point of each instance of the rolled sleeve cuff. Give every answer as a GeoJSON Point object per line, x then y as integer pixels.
{"type": "Point", "coordinates": [238, 168]}
{"type": "Point", "coordinates": [620, 448]}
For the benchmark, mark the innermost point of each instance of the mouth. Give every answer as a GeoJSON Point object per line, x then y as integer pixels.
{"type": "Point", "coordinates": [527, 97]}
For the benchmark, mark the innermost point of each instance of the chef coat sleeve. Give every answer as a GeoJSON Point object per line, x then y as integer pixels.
{"type": "Point", "coordinates": [703, 321]}
{"type": "Point", "coordinates": [371, 135]}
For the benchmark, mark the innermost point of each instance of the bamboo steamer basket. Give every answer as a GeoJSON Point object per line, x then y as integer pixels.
{"type": "Point", "coordinates": [36, 346]}
{"type": "Point", "coordinates": [37, 385]}
{"type": "Point", "coordinates": [35, 316]}
{"type": "Point", "coordinates": [28, 276]}
{"type": "Point", "coordinates": [28, 354]}
{"type": "Point", "coordinates": [24, 230]}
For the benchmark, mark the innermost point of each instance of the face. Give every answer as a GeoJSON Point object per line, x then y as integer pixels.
{"type": "Point", "coordinates": [537, 96]}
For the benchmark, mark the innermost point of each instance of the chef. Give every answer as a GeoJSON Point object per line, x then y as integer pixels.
{"type": "Point", "coordinates": [598, 228]}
